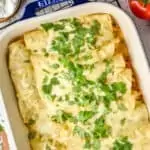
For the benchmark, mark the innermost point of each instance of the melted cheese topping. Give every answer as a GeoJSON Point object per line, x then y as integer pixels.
{"type": "Point", "coordinates": [74, 88]}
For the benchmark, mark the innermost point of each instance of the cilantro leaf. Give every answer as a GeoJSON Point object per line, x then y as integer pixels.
{"type": "Point", "coordinates": [48, 26]}
{"type": "Point", "coordinates": [119, 87]}
{"type": "Point", "coordinates": [87, 144]}
{"type": "Point", "coordinates": [93, 144]}
{"type": "Point", "coordinates": [122, 144]}
{"type": "Point", "coordinates": [81, 132]}
{"type": "Point", "coordinates": [61, 45]}
{"type": "Point", "coordinates": [95, 27]}
{"type": "Point", "coordinates": [96, 144]}
{"type": "Point", "coordinates": [54, 81]}
{"type": "Point", "coordinates": [83, 116]}
{"type": "Point", "coordinates": [101, 129]}
{"type": "Point", "coordinates": [76, 23]}
{"type": "Point", "coordinates": [85, 99]}
{"type": "Point", "coordinates": [104, 75]}
{"type": "Point", "coordinates": [63, 116]}
{"type": "Point", "coordinates": [47, 87]}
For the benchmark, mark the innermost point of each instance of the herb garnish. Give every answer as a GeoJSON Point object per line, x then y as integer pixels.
{"type": "Point", "coordinates": [56, 27]}
{"type": "Point", "coordinates": [101, 129]}
{"type": "Point", "coordinates": [63, 116]}
{"type": "Point", "coordinates": [122, 144]}
{"type": "Point", "coordinates": [83, 116]}
{"type": "Point", "coordinates": [47, 87]}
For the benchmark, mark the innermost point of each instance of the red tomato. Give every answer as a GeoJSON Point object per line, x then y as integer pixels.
{"type": "Point", "coordinates": [5, 141]}
{"type": "Point", "coordinates": [140, 9]}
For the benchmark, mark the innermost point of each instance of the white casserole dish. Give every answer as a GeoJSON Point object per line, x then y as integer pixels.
{"type": "Point", "coordinates": [136, 52]}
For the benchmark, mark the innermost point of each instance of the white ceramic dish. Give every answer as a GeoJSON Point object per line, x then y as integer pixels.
{"type": "Point", "coordinates": [136, 52]}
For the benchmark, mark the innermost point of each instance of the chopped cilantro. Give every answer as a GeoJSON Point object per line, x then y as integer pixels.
{"type": "Point", "coordinates": [76, 70]}
{"type": "Point", "coordinates": [77, 43]}
{"type": "Point", "coordinates": [87, 144]}
{"type": "Point", "coordinates": [65, 35]}
{"type": "Point", "coordinates": [92, 144]}
{"type": "Point", "coordinates": [96, 144]}
{"type": "Point", "coordinates": [48, 26]}
{"type": "Point", "coordinates": [93, 31]}
{"type": "Point", "coordinates": [103, 76]}
{"type": "Point", "coordinates": [64, 61]}
{"type": "Point", "coordinates": [101, 129]}
{"type": "Point", "coordinates": [108, 98]}
{"type": "Point", "coordinates": [111, 90]}
{"type": "Point", "coordinates": [105, 88]}
{"type": "Point", "coordinates": [86, 99]}
{"type": "Point", "coordinates": [83, 116]}
{"type": "Point", "coordinates": [61, 45]}
{"type": "Point", "coordinates": [79, 39]}
{"type": "Point", "coordinates": [81, 32]}
{"type": "Point", "coordinates": [110, 95]}
{"type": "Point", "coordinates": [63, 116]}
{"type": "Point", "coordinates": [91, 39]}
{"type": "Point", "coordinates": [119, 87]}
{"type": "Point", "coordinates": [76, 23]}
{"type": "Point", "coordinates": [64, 45]}
{"type": "Point", "coordinates": [95, 27]}
{"type": "Point", "coordinates": [69, 44]}
{"type": "Point", "coordinates": [81, 132]}
{"type": "Point", "coordinates": [54, 81]}
{"type": "Point", "coordinates": [122, 144]}
{"type": "Point", "coordinates": [47, 87]}
{"type": "Point", "coordinates": [57, 27]}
